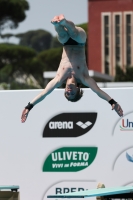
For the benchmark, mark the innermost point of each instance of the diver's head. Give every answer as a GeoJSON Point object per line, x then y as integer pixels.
{"type": "Point", "coordinates": [72, 92]}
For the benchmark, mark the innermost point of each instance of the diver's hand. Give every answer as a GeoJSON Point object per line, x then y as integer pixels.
{"type": "Point", "coordinates": [118, 109]}
{"type": "Point", "coordinates": [24, 115]}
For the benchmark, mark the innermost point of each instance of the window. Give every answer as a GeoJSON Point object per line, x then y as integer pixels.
{"type": "Point", "coordinates": [117, 40]}
{"type": "Point", "coordinates": [128, 39]}
{"type": "Point", "coordinates": [106, 43]}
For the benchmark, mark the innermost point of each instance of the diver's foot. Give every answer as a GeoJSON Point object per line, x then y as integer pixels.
{"type": "Point", "coordinates": [55, 20]}
{"type": "Point", "coordinates": [58, 20]}
{"type": "Point", "coordinates": [61, 18]}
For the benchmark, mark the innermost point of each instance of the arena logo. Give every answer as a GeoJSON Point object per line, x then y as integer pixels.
{"type": "Point", "coordinates": [69, 124]}
{"type": "Point", "coordinates": [61, 125]}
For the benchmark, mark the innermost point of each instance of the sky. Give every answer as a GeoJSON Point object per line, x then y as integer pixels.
{"type": "Point", "coordinates": [42, 11]}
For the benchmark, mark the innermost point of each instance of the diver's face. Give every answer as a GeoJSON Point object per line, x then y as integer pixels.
{"type": "Point", "coordinates": [71, 88]}
{"type": "Point", "coordinates": [71, 91]}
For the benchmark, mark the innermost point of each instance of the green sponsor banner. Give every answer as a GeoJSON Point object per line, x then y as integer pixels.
{"type": "Point", "coordinates": [70, 159]}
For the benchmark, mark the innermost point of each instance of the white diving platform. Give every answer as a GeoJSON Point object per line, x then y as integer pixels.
{"type": "Point", "coordinates": [116, 192]}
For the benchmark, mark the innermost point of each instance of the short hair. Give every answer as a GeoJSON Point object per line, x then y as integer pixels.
{"type": "Point", "coordinates": [77, 97]}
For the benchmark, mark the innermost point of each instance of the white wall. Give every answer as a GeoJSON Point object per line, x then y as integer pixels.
{"type": "Point", "coordinates": [23, 150]}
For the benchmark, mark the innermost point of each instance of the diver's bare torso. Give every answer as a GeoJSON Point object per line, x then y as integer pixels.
{"type": "Point", "coordinates": [73, 63]}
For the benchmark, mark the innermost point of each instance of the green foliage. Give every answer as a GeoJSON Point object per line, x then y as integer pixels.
{"type": "Point", "coordinates": [122, 76]}
{"type": "Point", "coordinates": [7, 35]}
{"type": "Point", "coordinates": [17, 86]}
{"type": "Point", "coordinates": [7, 69]}
{"type": "Point", "coordinates": [12, 12]}
{"type": "Point", "coordinates": [55, 43]}
{"type": "Point", "coordinates": [14, 58]}
{"type": "Point", "coordinates": [129, 73]}
{"type": "Point", "coordinates": [4, 86]}
{"type": "Point", "coordinates": [5, 73]}
{"type": "Point", "coordinates": [18, 60]}
{"type": "Point", "coordinates": [39, 40]}
{"type": "Point", "coordinates": [21, 60]}
{"type": "Point", "coordinates": [15, 55]}
{"type": "Point", "coordinates": [84, 26]}
{"type": "Point", "coordinates": [9, 44]}
{"type": "Point", "coordinates": [36, 67]}
{"type": "Point", "coordinates": [51, 58]}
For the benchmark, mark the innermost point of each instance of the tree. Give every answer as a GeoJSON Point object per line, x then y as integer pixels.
{"type": "Point", "coordinates": [51, 58]}
{"type": "Point", "coordinates": [84, 26]}
{"type": "Point", "coordinates": [21, 63]}
{"type": "Point", "coordinates": [36, 68]}
{"type": "Point", "coordinates": [129, 73]}
{"type": "Point", "coordinates": [122, 76]}
{"type": "Point", "coordinates": [12, 12]}
{"type": "Point", "coordinates": [15, 54]}
{"type": "Point", "coordinates": [55, 43]}
{"type": "Point", "coordinates": [39, 39]}
{"type": "Point", "coordinates": [14, 58]}
{"type": "Point", "coordinates": [7, 35]}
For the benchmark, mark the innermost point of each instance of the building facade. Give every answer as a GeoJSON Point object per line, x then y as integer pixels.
{"type": "Point", "coordinates": [110, 35]}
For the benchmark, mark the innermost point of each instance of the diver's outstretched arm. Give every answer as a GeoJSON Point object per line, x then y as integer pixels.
{"type": "Point", "coordinates": [49, 88]}
{"type": "Point", "coordinates": [89, 82]}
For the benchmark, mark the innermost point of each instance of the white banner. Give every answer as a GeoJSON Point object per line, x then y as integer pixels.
{"type": "Point", "coordinates": [65, 145]}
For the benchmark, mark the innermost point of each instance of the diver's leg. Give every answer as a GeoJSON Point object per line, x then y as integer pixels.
{"type": "Point", "coordinates": [62, 33]}
{"type": "Point", "coordinates": [76, 33]}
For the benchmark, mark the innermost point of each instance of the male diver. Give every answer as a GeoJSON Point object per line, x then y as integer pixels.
{"type": "Point", "coordinates": [72, 69]}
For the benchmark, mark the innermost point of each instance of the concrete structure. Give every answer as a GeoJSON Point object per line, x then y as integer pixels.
{"type": "Point", "coordinates": [96, 75]}
{"type": "Point", "coordinates": [110, 35]}
{"type": "Point", "coordinates": [48, 75]}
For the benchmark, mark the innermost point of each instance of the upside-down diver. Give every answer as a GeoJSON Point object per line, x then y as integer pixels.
{"type": "Point", "coordinates": [72, 69]}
